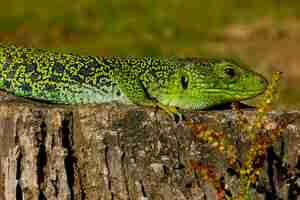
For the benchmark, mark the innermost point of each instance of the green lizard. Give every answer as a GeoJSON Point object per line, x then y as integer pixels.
{"type": "Point", "coordinates": [169, 83]}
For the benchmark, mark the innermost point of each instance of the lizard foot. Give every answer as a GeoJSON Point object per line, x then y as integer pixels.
{"type": "Point", "coordinates": [172, 112]}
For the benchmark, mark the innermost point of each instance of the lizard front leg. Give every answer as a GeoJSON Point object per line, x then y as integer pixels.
{"type": "Point", "coordinates": [136, 91]}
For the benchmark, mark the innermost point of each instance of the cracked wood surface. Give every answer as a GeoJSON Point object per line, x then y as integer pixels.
{"type": "Point", "coordinates": [113, 152]}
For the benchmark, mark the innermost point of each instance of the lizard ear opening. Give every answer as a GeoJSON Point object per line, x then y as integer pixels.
{"type": "Point", "coordinates": [184, 82]}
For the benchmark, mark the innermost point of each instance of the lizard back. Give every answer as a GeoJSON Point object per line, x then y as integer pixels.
{"type": "Point", "coordinates": [63, 78]}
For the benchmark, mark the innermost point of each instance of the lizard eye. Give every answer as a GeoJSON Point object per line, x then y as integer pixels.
{"type": "Point", "coordinates": [229, 72]}
{"type": "Point", "coordinates": [184, 82]}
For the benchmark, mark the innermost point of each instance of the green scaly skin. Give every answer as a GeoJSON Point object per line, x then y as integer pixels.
{"type": "Point", "coordinates": [66, 78]}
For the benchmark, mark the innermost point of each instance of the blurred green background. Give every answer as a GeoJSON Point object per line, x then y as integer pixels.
{"type": "Point", "coordinates": [263, 34]}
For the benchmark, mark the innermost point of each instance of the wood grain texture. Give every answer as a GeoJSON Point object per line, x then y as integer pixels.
{"type": "Point", "coordinates": [114, 152]}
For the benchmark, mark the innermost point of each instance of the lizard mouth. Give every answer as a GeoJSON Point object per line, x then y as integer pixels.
{"type": "Point", "coordinates": [234, 93]}
{"type": "Point", "coordinates": [208, 98]}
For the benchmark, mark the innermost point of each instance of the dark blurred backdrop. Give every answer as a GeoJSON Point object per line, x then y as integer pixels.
{"type": "Point", "coordinates": [264, 34]}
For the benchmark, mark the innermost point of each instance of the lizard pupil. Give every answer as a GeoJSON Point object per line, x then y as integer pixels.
{"type": "Point", "coordinates": [230, 72]}
{"type": "Point", "coordinates": [184, 82]}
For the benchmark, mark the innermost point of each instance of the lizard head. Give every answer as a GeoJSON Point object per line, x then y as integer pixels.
{"type": "Point", "coordinates": [200, 84]}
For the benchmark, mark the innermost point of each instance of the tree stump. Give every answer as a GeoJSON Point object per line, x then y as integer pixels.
{"type": "Point", "coordinates": [117, 152]}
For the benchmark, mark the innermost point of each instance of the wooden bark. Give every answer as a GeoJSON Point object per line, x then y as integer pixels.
{"type": "Point", "coordinates": [114, 152]}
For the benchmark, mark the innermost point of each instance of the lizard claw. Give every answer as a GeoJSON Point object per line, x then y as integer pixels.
{"type": "Point", "coordinates": [178, 117]}
{"type": "Point", "coordinates": [172, 112]}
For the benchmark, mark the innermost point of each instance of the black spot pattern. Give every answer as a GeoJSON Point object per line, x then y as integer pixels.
{"type": "Point", "coordinates": [35, 76]}
{"type": "Point", "coordinates": [50, 87]}
{"type": "Point", "coordinates": [13, 71]}
{"type": "Point", "coordinates": [11, 75]}
{"type": "Point", "coordinates": [93, 64]}
{"type": "Point", "coordinates": [53, 78]}
{"type": "Point", "coordinates": [26, 88]}
{"type": "Point", "coordinates": [31, 67]}
{"type": "Point", "coordinates": [86, 71]}
{"type": "Point", "coordinates": [58, 67]}
{"type": "Point", "coordinates": [76, 78]}
{"type": "Point", "coordinates": [7, 62]}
